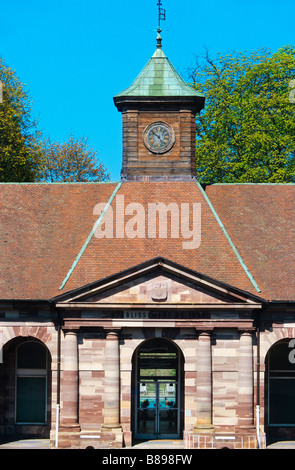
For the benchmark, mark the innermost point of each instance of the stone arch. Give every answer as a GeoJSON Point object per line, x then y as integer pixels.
{"type": "Point", "coordinates": [279, 389]}
{"type": "Point", "coordinates": [270, 338]}
{"type": "Point", "coordinates": [14, 381]}
{"type": "Point", "coordinates": [40, 333]}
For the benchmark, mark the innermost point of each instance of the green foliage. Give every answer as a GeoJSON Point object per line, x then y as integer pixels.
{"type": "Point", "coordinates": [247, 131]}
{"type": "Point", "coordinates": [71, 161]}
{"type": "Point", "coordinates": [19, 138]}
{"type": "Point", "coordinates": [24, 157]}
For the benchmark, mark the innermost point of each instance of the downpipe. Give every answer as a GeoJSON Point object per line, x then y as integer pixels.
{"type": "Point", "coordinates": [57, 408]}
{"type": "Point", "coordinates": [258, 426]}
{"type": "Point", "coordinates": [258, 390]}
{"type": "Point", "coordinates": [56, 425]}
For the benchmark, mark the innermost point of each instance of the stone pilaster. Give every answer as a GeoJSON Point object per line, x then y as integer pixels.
{"type": "Point", "coordinates": [70, 383]}
{"type": "Point", "coordinates": [204, 384]}
{"type": "Point", "coordinates": [112, 383]}
{"type": "Point", "coordinates": [245, 390]}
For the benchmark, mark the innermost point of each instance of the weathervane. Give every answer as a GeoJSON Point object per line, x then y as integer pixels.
{"type": "Point", "coordinates": [162, 16]}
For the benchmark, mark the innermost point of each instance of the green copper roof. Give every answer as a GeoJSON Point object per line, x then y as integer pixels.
{"type": "Point", "coordinates": [159, 78]}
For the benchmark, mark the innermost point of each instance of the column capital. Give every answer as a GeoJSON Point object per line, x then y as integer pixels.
{"type": "Point", "coordinates": [112, 332]}
{"type": "Point", "coordinates": [204, 331]}
{"type": "Point", "coordinates": [246, 331]}
{"type": "Point", "coordinates": [68, 331]}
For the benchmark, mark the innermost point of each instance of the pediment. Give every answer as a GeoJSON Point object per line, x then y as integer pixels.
{"type": "Point", "coordinates": [158, 283]}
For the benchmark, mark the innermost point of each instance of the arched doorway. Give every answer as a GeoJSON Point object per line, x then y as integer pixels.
{"type": "Point", "coordinates": [31, 383]}
{"type": "Point", "coordinates": [25, 389]}
{"type": "Point", "coordinates": [158, 390]}
{"type": "Point", "coordinates": [280, 392]}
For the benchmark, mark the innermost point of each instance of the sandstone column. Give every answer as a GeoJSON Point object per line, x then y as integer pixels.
{"type": "Point", "coordinates": [70, 384]}
{"type": "Point", "coordinates": [111, 410]}
{"type": "Point", "coordinates": [245, 405]}
{"type": "Point", "coordinates": [204, 383]}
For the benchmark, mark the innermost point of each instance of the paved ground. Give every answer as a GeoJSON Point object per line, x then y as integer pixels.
{"type": "Point", "coordinates": [45, 444]}
{"type": "Point", "coordinates": [282, 445]}
{"type": "Point", "coordinates": [159, 444]}
{"type": "Point", "coordinates": [27, 444]}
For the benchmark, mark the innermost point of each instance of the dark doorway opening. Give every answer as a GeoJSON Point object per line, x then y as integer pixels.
{"type": "Point", "coordinates": [158, 397]}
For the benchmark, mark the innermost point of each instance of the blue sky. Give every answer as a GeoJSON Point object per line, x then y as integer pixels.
{"type": "Point", "coordinates": [74, 55]}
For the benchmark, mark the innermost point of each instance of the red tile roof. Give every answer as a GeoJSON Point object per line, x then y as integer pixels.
{"type": "Point", "coordinates": [261, 221]}
{"type": "Point", "coordinates": [44, 226]}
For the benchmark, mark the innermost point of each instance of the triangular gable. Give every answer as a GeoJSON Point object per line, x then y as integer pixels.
{"type": "Point", "coordinates": [157, 283]}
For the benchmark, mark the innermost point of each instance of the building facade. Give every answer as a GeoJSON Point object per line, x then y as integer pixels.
{"type": "Point", "coordinates": [151, 308]}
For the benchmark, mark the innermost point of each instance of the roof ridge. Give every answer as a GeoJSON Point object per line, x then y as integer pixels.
{"type": "Point", "coordinates": [94, 228]}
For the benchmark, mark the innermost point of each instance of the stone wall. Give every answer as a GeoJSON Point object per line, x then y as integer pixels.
{"type": "Point", "coordinates": [219, 381]}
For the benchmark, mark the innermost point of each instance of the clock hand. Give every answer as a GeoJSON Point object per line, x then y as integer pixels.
{"type": "Point", "coordinates": [153, 132]}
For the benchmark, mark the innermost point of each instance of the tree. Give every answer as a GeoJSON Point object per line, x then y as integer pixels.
{"type": "Point", "coordinates": [247, 131]}
{"type": "Point", "coordinates": [71, 161]}
{"type": "Point", "coordinates": [19, 137]}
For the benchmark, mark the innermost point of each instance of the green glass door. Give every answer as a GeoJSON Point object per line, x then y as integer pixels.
{"type": "Point", "coordinates": [167, 409]}
{"type": "Point", "coordinates": [157, 409]}
{"type": "Point", "coordinates": [147, 409]}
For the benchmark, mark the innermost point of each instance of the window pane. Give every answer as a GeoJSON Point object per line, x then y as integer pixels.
{"type": "Point", "coordinates": [158, 372]}
{"type": "Point", "coordinates": [31, 355]}
{"type": "Point", "coordinates": [282, 409]}
{"type": "Point", "coordinates": [31, 393]}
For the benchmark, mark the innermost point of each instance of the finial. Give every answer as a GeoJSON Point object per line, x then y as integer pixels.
{"type": "Point", "coordinates": [162, 16]}
{"type": "Point", "coordinates": [159, 38]}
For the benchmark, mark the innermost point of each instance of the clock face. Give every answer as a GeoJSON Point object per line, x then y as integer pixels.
{"type": "Point", "coordinates": [159, 137]}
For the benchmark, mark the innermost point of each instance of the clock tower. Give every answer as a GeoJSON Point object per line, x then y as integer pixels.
{"type": "Point", "coordinates": [158, 114]}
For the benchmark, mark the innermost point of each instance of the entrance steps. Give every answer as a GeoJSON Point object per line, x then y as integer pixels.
{"type": "Point", "coordinates": [159, 444]}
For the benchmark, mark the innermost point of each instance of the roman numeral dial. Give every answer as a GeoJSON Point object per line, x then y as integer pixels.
{"type": "Point", "coordinates": [159, 137]}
